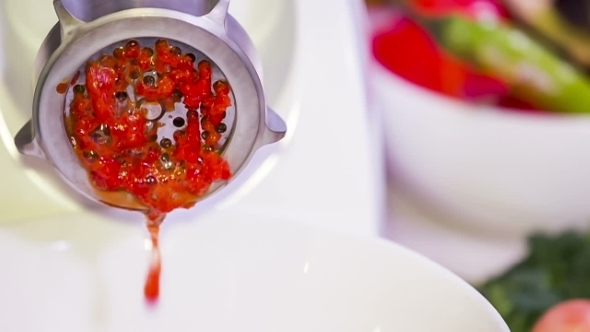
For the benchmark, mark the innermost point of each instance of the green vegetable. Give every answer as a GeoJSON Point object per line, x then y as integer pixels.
{"type": "Point", "coordinates": [550, 23]}
{"type": "Point", "coordinates": [534, 73]}
{"type": "Point", "coordinates": [556, 269]}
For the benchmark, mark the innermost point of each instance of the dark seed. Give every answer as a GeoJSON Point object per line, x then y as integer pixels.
{"type": "Point", "coordinates": [118, 52]}
{"type": "Point", "coordinates": [101, 134]}
{"type": "Point", "coordinates": [148, 51]}
{"type": "Point", "coordinates": [90, 156]}
{"type": "Point", "coordinates": [166, 143]}
{"type": "Point", "coordinates": [161, 42]}
{"type": "Point", "coordinates": [121, 96]}
{"type": "Point", "coordinates": [192, 57]}
{"type": "Point", "coordinates": [98, 138]}
{"type": "Point", "coordinates": [105, 129]}
{"type": "Point", "coordinates": [205, 135]}
{"type": "Point", "coordinates": [120, 159]}
{"type": "Point", "coordinates": [203, 120]}
{"type": "Point", "coordinates": [132, 43]}
{"type": "Point", "coordinates": [177, 94]}
{"type": "Point", "coordinates": [175, 50]}
{"type": "Point", "coordinates": [149, 80]}
{"type": "Point", "coordinates": [166, 163]}
{"type": "Point", "coordinates": [221, 128]}
{"type": "Point", "coordinates": [134, 74]}
{"type": "Point", "coordinates": [178, 122]}
{"type": "Point", "coordinates": [79, 89]}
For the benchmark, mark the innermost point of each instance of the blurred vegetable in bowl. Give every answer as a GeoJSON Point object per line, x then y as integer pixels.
{"type": "Point", "coordinates": [569, 316]}
{"type": "Point", "coordinates": [438, 70]}
{"type": "Point", "coordinates": [475, 9]}
{"type": "Point", "coordinates": [533, 73]}
{"type": "Point", "coordinates": [480, 44]}
{"type": "Point", "coordinates": [477, 164]}
{"type": "Point", "coordinates": [547, 20]}
{"type": "Point", "coordinates": [537, 292]}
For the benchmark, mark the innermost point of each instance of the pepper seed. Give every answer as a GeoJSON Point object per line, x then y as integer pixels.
{"type": "Point", "coordinates": [132, 43]}
{"type": "Point", "coordinates": [149, 80]}
{"type": "Point", "coordinates": [221, 128]}
{"type": "Point", "coordinates": [79, 89]}
{"type": "Point", "coordinates": [175, 50]}
{"type": "Point", "coordinates": [166, 143]}
{"type": "Point", "coordinates": [121, 96]}
{"type": "Point", "coordinates": [148, 51]}
{"type": "Point", "coordinates": [90, 156]}
{"type": "Point", "coordinates": [178, 122]}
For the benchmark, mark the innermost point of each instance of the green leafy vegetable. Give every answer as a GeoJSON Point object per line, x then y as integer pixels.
{"type": "Point", "coordinates": [556, 269]}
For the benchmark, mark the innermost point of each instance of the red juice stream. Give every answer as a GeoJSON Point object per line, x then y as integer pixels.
{"type": "Point", "coordinates": [152, 283]}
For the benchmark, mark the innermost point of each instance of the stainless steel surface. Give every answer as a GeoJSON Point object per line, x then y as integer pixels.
{"type": "Point", "coordinates": [87, 27]}
{"type": "Point", "coordinates": [89, 10]}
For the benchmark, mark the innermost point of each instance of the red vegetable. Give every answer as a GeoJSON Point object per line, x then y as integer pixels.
{"type": "Point", "coordinates": [407, 50]}
{"type": "Point", "coordinates": [115, 138]}
{"type": "Point", "coordinates": [569, 316]}
{"type": "Point", "coordinates": [472, 8]}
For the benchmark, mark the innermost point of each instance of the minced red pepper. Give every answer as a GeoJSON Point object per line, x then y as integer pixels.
{"type": "Point", "coordinates": [117, 143]}
{"type": "Point", "coordinates": [114, 138]}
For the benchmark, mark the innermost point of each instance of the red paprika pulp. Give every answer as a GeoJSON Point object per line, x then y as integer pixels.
{"type": "Point", "coordinates": [117, 143]}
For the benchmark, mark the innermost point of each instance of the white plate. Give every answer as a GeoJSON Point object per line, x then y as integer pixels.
{"type": "Point", "coordinates": [236, 271]}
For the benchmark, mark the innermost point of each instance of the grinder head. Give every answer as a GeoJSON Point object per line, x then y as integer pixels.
{"type": "Point", "coordinates": [88, 29]}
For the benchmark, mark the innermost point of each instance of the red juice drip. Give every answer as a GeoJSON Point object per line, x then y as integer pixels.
{"type": "Point", "coordinates": [62, 88]}
{"type": "Point", "coordinates": [152, 283]}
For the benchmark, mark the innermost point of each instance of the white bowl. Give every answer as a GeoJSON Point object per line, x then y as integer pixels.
{"type": "Point", "coordinates": [491, 170]}
{"type": "Point", "coordinates": [228, 271]}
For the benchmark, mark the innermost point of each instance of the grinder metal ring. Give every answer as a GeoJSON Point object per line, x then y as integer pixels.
{"type": "Point", "coordinates": [88, 28]}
